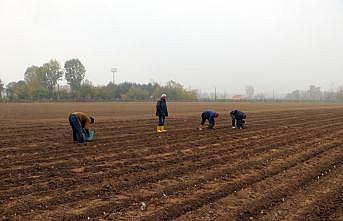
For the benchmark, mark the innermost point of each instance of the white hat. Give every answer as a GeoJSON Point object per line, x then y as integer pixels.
{"type": "Point", "coordinates": [163, 96]}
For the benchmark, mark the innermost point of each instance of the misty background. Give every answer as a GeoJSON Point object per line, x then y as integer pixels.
{"type": "Point", "coordinates": [281, 44]}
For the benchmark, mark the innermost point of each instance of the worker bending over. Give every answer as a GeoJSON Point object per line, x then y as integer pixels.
{"type": "Point", "coordinates": [161, 113]}
{"type": "Point", "coordinates": [238, 117]}
{"type": "Point", "coordinates": [210, 116]}
{"type": "Point", "coordinates": [80, 123]}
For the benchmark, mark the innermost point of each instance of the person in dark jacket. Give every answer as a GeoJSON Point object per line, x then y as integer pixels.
{"type": "Point", "coordinates": [210, 116]}
{"type": "Point", "coordinates": [238, 119]}
{"type": "Point", "coordinates": [80, 124]}
{"type": "Point", "coordinates": [161, 113]}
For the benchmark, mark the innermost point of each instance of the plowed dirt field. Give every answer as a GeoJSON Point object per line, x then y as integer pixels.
{"type": "Point", "coordinates": [286, 165]}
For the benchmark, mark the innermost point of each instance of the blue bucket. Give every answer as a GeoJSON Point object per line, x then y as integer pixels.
{"type": "Point", "coordinates": [90, 136]}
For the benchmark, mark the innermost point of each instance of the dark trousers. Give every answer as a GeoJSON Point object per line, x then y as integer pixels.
{"type": "Point", "coordinates": [78, 135]}
{"type": "Point", "coordinates": [203, 119]}
{"type": "Point", "coordinates": [161, 120]}
{"type": "Point", "coordinates": [238, 122]}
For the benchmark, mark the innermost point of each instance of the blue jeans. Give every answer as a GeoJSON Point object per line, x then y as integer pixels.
{"type": "Point", "coordinates": [161, 120]}
{"type": "Point", "coordinates": [78, 135]}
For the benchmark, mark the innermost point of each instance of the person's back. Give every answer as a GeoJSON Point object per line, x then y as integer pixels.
{"type": "Point", "coordinates": [161, 108]}
{"type": "Point", "coordinates": [84, 120]}
{"type": "Point", "coordinates": [238, 114]}
{"type": "Point", "coordinates": [209, 115]}
{"type": "Point", "coordinates": [238, 117]}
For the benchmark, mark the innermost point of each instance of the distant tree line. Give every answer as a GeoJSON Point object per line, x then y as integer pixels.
{"type": "Point", "coordinates": [314, 93]}
{"type": "Point", "coordinates": [41, 83]}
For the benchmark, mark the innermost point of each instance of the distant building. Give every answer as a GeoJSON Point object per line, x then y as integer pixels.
{"type": "Point", "coordinates": [238, 97]}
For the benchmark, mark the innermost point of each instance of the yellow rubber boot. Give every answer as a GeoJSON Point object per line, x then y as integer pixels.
{"type": "Point", "coordinates": [162, 129]}
{"type": "Point", "coordinates": [159, 129]}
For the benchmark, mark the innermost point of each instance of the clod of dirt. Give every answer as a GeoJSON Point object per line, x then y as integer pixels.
{"type": "Point", "coordinates": [143, 206]}
{"type": "Point", "coordinates": [78, 170]}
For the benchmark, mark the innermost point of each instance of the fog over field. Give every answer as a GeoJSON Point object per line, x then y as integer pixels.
{"type": "Point", "coordinates": [281, 44]}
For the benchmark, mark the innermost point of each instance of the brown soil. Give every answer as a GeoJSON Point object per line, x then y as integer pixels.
{"type": "Point", "coordinates": [286, 165]}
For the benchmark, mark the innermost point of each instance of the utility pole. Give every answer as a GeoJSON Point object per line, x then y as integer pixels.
{"type": "Point", "coordinates": [215, 94]}
{"type": "Point", "coordinates": [113, 70]}
{"type": "Point", "coordinates": [58, 92]}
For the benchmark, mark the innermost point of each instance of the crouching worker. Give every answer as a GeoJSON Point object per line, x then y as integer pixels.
{"type": "Point", "coordinates": [210, 116]}
{"type": "Point", "coordinates": [161, 113]}
{"type": "Point", "coordinates": [81, 123]}
{"type": "Point", "coordinates": [238, 117]}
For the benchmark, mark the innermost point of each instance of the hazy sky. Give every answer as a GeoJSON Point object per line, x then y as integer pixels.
{"type": "Point", "coordinates": [285, 44]}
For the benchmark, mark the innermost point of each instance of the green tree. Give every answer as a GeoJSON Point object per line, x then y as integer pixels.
{"type": "Point", "coordinates": [104, 92]}
{"type": "Point", "coordinates": [74, 73]}
{"type": "Point", "coordinates": [87, 90]}
{"type": "Point", "coordinates": [158, 90]}
{"type": "Point", "coordinates": [190, 95]}
{"type": "Point", "coordinates": [122, 89]}
{"type": "Point", "coordinates": [31, 74]}
{"type": "Point", "coordinates": [174, 90]}
{"type": "Point", "coordinates": [34, 79]}
{"type": "Point", "coordinates": [10, 91]}
{"type": "Point", "coordinates": [137, 94]}
{"type": "Point", "coordinates": [17, 91]}
{"type": "Point", "coordinates": [49, 75]}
